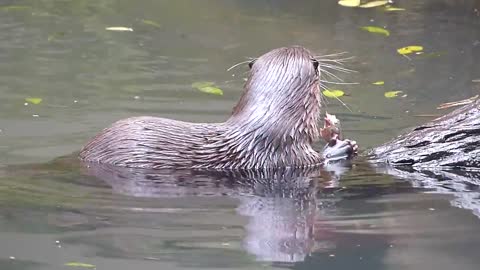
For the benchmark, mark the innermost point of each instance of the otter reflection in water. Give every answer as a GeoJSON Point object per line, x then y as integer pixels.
{"type": "Point", "coordinates": [290, 214]}
{"type": "Point", "coordinates": [283, 206]}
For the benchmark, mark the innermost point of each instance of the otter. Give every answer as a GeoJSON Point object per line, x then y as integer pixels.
{"type": "Point", "coordinates": [274, 125]}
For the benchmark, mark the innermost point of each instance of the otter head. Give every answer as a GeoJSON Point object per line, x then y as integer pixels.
{"type": "Point", "coordinates": [282, 96]}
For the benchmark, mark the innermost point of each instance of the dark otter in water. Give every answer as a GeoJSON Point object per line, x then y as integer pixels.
{"type": "Point", "coordinates": [273, 125]}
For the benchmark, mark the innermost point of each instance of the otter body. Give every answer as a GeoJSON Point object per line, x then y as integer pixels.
{"type": "Point", "coordinates": [273, 125]}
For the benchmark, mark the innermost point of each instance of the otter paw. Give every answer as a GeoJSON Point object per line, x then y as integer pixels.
{"type": "Point", "coordinates": [337, 150]}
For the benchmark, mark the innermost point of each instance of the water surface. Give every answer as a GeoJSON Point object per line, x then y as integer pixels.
{"type": "Point", "coordinates": [54, 212]}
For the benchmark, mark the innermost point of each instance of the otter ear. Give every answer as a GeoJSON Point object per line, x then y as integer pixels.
{"type": "Point", "coordinates": [250, 64]}
{"type": "Point", "coordinates": [315, 64]}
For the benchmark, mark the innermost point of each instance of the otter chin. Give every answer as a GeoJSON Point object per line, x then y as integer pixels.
{"type": "Point", "coordinates": [273, 125]}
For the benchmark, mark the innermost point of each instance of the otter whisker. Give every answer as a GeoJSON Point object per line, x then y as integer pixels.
{"type": "Point", "coordinates": [238, 64]}
{"type": "Point", "coordinates": [331, 75]}
{"type": "Point", "coordinates": [337, 68]}
{"type": "Point", "coordinates": [343, 83]}
{"type": "Point", "coordinates": [323, 87]}
{"type": "Point", "coordinates": [325, 100]}
{"type": "Point", "coordinates": [336, 60]}
{"type": "Point", "coordinates": [330, 55]}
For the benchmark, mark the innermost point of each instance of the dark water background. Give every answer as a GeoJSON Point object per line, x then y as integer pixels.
{"type": "Point", "coordinates": [52, 214]}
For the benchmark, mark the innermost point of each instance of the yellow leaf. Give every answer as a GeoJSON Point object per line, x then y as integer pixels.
{"type": "Point", "coordinates": [376, 30]}
{"type": "Point", "coordinates": [392, 94]}
{"type": "Point", "coordinates": [390, 8]}
{"type": "Point", "coordinates": [374, 4]}
{"type": "Point", "coordinates": [152, 23]}
{"type": "Point", "coordinates": [349, 3]}
{"type": "Point", "coordinates": [119, 28]}
{"type": "Point", "coordinates": [34, 100]}
{"type": "Point", "coordinates": [409, 49]}
{"type": "Point", "coordinates": [378, 83]}
{"type": "Point", "coordinates": [207, 87]}
{"type": "Point", "coordinates": [78, 264]}
{"type": "Point", "coordinates": [333, 93]}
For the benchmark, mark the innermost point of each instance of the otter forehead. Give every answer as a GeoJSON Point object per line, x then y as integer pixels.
{"type": "Point", "coordinates": [293, 61]}
{"type": "Point", "coordinates": [285, 56]}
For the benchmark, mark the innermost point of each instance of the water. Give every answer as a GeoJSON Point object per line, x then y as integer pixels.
{"type": "Point", "coordinates": [54, 212]}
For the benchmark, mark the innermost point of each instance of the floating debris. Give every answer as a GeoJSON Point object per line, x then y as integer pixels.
{"type": "Point", "coordinates": [79, 264]}
{"type": "Point", "coordinates": [457, 103]}
{"type": "Point", "coordinates": [376, 30]}
{"type": "Point", "coordinates": [119, 29]}
{"type": "Point", "coordinates": [390, 8]}
{"type": "Point", "coordinates": [15, 8]}
{"type": "Point", "coordinates": [152, 23]}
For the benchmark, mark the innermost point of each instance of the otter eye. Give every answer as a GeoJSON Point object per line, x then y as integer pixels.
{"type": "Point", "coordinates": [315, 64]}
{"type": "Point", "coordinates": [250, 64]}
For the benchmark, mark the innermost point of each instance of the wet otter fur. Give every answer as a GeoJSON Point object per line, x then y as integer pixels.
{"type": "Point", "coordinates": [273, 125]}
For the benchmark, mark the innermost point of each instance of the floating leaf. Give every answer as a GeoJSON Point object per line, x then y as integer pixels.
{"type": "Point", "coordinates": [56, 35]}
{"type": "Point", "coordinates": [409, 49]}
{"type": "Point", "coordinates": [14, 8]}
{"type": "Point", "coordinates": [211, 90]}
{"type": "Point", "coordinates": [34, 100]}
{"type": "Point", "coordinates": [151, 23]}
{"type": "Point", "coordinates": [349, 3]}
{"type": "Point", "coordinates": [390, 8]}
{"type": "Point", "coordinates": [376, 30]}
{"type": "Point", "coordinates": [432, 54]}
{"type": "Point", "coordinates": [333, 93]}
{"type": "Point", "coordinates": [378, 83]}
{"type": "Point", "coordinates": [374, 4]}
{"type": "Point", "coordinates": [119, 29]}
{"type": "Point", "coordinates": [202, 84]}
{"type": "Point", "coordinates": [208, 87]}
{"type": "Point", "coordinates": [392, 94]}
{"type": "Point", "coordinates": [79, 264]}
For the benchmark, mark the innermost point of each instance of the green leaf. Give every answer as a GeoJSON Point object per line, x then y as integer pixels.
{"type": "Point", "coordinates": [392, 94]}
{"type": "Point", "coordinates": [208, 87]}
{"type": "Point", "coordinates": [35, 101]}
{"type": "Point", "coordinates": [333, 93]}
{"type": "Point", "coordinates": [211, 90]}
{"type": "Point", "coordinates": [119, 29]}
{"type": "Point", "coordinates": [14, 8]}
{"type": "Point", "coordinates": [79, 264]}
{"type": "Point", "coordinates": [409, 49]}
{"type": "Point", "coordinates": [202, 84]}
{"type": "Point", "coordinates": [376, 30]}
{"type": "Point", "coordinates": [152, 23]}
{"type": "Point", "coordinates": [374, 4]}
{"type": "Point", "coordinates": [349, 3]}
{"type": "Point", "coordinates": [378, 83]}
